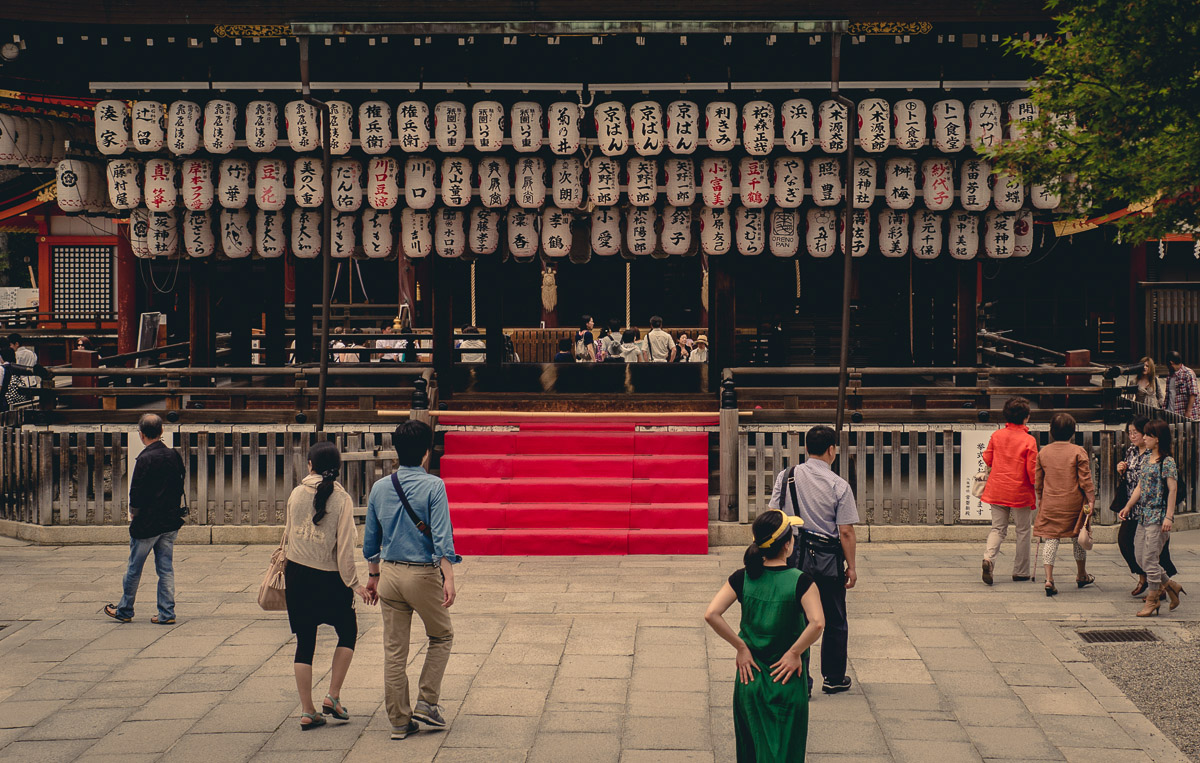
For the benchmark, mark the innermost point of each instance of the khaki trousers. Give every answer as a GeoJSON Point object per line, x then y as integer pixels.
{"type": "Point", "coordinates": [1023, 518]}
{"type": "Point", "coordinates": [402, 591]}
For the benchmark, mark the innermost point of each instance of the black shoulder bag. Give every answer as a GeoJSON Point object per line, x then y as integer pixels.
{"type": "Point", "coordinates": [819, 556]}
{"type": "Point", "coordinates": [408, 509]}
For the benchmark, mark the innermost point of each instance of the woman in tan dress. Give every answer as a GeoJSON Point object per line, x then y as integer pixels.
{"type": "Point", "coordinates": [1065, 496]}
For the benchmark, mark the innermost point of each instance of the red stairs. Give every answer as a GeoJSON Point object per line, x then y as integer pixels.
{"type": "Point", "coordinates": [564, 488]}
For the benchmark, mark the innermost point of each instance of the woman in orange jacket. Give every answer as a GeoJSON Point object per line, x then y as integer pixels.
{"type": "Point", "coordinates": [1012, 454]}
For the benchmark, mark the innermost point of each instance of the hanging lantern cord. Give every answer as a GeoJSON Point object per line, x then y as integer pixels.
{"type": "Point", "coordinates": [796, 262]}
{"type": "Point", "coordinates": [628, 289]}
{"type": "Point", "coordinates": [473, 323]}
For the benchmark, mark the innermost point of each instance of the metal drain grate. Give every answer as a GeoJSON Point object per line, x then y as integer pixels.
{"type": "Point", "coordinates": [1117, 636]}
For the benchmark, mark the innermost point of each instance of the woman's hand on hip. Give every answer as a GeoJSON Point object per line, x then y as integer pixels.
{"type": "Point", "coordinates": [787, 666]}
{"type": "Point", "coordinates": [746, 665]}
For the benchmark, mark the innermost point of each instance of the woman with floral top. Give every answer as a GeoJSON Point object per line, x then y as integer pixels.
{"type": "Point", "coordinates": [1129, 470]}
{"type": "Point", "coordinates": [1154, 502]}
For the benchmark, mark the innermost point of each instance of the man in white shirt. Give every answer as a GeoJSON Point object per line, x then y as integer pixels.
{"type": "Point", "coordinates": [659, 343]}
{"type": "Point", "coordinates": [25, 357]}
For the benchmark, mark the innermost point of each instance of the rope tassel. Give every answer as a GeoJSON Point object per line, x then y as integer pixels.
{"type": "Point", "coordinates": [549, 290]}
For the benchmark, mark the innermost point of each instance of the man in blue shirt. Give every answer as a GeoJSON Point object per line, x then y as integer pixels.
{"type": "Point", "coordinates": [410, 550]}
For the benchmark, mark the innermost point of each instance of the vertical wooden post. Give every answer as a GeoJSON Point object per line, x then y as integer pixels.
{"type": "Point", "coordinates": [247, 302]}
{"type": "Point", "coordinates": [443, 321]}
{"type": "Point", "coordinates": [722, 319]}
{"type": "Point", "coordinates": [274, 331]}
{"type": "Point", "coordinates": [1138, 340]}
{"type": "Point", "coordinates": [966, 326]}
{"type": "Point", "coordinates": [199, 314]}
{"type": "Point", "coordinates": [492, 299]}
{"type": "Point", "coordinates": [727, 509]}
{"type": "Point", "coordinates": [127, 310]}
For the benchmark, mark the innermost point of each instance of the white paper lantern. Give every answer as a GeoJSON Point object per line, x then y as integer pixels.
{"type": "Point", "coordinates": [96, 201]}
{"type": "Point", "coordinates": [183, 121]}
{"type": "Point", "coordinates": [1021, 113]}
{"type": "Point", "coordinates": [495, 188]}
{"type": "Point", "coordinates": [269, 240]}
{"type": "Point", "coordinates": [784, 236]}
{"type": "Point", "coordinates": [976, 188]}
{"type": "Point", "coordinates": [860, 233]}
{"type": "Point", "coordinates": [483, 235]}
{"type": "Point", "coordinates": [449, 238]}
{"type": "Point", "coordinates": [646, 118]}
{"type": "Point", "coordinates": [233, 183]}
{"type": "Point", "coordinates": [832, 124]}
{"type": "Point", "coordinates": [527, 131]}
{"type": "Point", "coordinates": [642, 174]}
{"type": "Point", "coordinates": [949, 126]}
{"type": "Point", "coordinates": [342, 240]}
{"type": "Point", "coordinates": [112, 128]}
{"type": "Point", "coordinates": [716, 236]}
{"type": "Point", "coordinates": [412, 126]}
{"type": "Point", "coordinates": [1023, 233]}
{"type": "Point", "coordinates": [900, 183]}
{"type": "Point", "coordinates": [375, 127]}
{"type": "Point", "coordinates": [303, 131]}
{"type": "Point", "coordinates": [416, 233]}
{"type": "Point", "coordinates": [236, 239]}
{"type": "Point", "coordinates": [162, 235]}
{"type": "Point", "coordinates": [341, 133]}
{"type": "Point", "coordinates": [147, 126]}
{"type": "Point", "coordinates": [522, 233]}
{"type": "Point", "coordinates": [927, 234]}
{"type": "Point", "coordinates": [61, 136]}
{"type": "Point", "coordinates": [26, 142]}
{"type": "Point", "coordinates": [347, 185]}
{"type": "Point", "coordinates": [10, 127]}
{"type": "Point", "coordinates": [123, 189]}
{"type": "Point", "coordinates": [799, 132]}
{"type": "Point", "coordinates": [908, 123]}
{"type": "Point", "coordinates": [612, 131]}
{"type": "Point", "coordinates": [419, 189]}
{"type": "Point", "coordinates": [604, 181]}
{"type": "Point", "coordinates": [379, 241]}
{"type": "Point", "coordinates": [566, 183]}
{"type": "Point", "coordinates": [874, 125]}
{"type": "Point", "coordinates": [456, 181]}
{"type": "Point", "coordinates": [71, 181]}
{"type": "Point", "coordinates": [220, 126]}
{"type": "Point", "coordinates": [160, 190]}
{"type": "Point", "coordinates": [937, 183]}
{"type": "Point", "coordinates": [758, 127]}
{"type": "Point", "coordinates": [45, 145]}
{"type": "Point", "coordinates": [677, 230]}
{"type": "Point", "coordinates": [789, 181]}
{"type": "Point", "coordinates": [606, 231]}
{"type": "Point", "coordinates": [865, 171]}
{"type": "Point", "coordinates": [963, 235]}
{"type": "Point", "coordinates": [983, 124]}
{"type": "Point", "coordinates": [826, 180]}
{"type": "Point", "coordinates": [139, 232]}
{"type": "Point", "coordinates": [1008, 193]}
{"type": "Point", "coordinates": [998, 234]}
{"type": "Point", "coordinates": [1041, 197]}
{"type": "Point", "coordinates": [821, 235]}
{"type": "Point", "coordinates": [683, 130]}
{"type": "Point", "coordinates": [308, 182]}
{"type": "Point", "coordinates": [750, 230]}
{"type": "Point", "coordinates": [556, 232]}
{"type": "Point", "coordinates": [640, 235]}
{"type": "Point", "coordinates": [450, 126]}
{"type": "Point", "coordinates": [716, 186]}
{"type": "Point", "coordinates": [893, 232]}
{"type": "Point", "coordinates": [198, 237]}
{"type": "Point", "coordinates": [262, 127]}
{"type": "Point", "coordinates": [681, 182]}
{"type": "Point", "coordinates": [563, 118]}
{"type": "Point", "coordinates": [754, 185]}
{"type": "Point", "coordinates": [270, 192]}
{"type": "Point", "coordinates": [531, 182]}
{"type": "Point", "coordinates": [487, 125]}
{"type": "Point", "coordinates": [198, 189]}
{"type": "Point", "coordinates": [720, 125]}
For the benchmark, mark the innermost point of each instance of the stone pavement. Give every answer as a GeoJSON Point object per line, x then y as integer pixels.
{"type": "Point", "coordinates": [557, 659]}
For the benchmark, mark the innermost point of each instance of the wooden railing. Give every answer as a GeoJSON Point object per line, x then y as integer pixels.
{"type": "Point", "coordinates": [1172, 320]}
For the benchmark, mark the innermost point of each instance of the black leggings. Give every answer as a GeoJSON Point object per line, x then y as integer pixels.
{"type": "Point", "coordinates": [306, 640]}
{"type": "Point", "coordinates": [316, 597]}
{"type": "Point", "coordinates": [1125, 543]}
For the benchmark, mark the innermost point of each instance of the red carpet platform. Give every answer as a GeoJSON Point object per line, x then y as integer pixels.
{"type": "Point", "coordinates": [563, 488]}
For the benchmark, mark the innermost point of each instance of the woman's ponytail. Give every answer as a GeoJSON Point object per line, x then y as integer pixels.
{"type": "Point", "coordinates": [753, 561]}
{"type": "Point", "coordinates": [327, 462]}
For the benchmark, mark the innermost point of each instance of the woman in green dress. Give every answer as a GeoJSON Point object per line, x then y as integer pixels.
{"type": "Point", "coordinates": [781, 618]}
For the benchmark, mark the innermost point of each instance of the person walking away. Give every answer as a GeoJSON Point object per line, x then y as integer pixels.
{"type": "Point", "coordinates": [1148, 391]}
{"type": "Point", "coordinates": [1129, 472]}
{"type": "Point", "coordinates": [1153, 500]}
{"type": "Point", "coordinates": [826, 543]}
{"type": "Point", "coordinates": [1181, 387]}
{"type": "Point", "coordinates": [156, 514]}
{"type": "Point", "coordinates": [781, 619]}
{"type": "Point", "coordinates": [409, 545]}
{"type": "Point", "coordinates": [1012, 455]}
{"type": "Point", "coordinates": [659, 344]}
{"type": "Point", "coordinates": [321, 578]}
{"type": "Point", "coordinates": [699, 353]}
{"type": "Point", "coordinates": [585, 343]}
{"type": "Point", "coordinates": [1066, 496]}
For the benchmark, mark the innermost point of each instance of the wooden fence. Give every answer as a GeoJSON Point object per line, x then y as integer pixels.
{"type": "Point", "coordinates": [1172, 320]}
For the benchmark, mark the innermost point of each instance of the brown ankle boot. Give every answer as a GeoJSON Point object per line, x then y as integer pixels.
{"type": "Point", "coordinates": [1172, 590]}
{"type": "Point", "coordinates": [1152, 603]}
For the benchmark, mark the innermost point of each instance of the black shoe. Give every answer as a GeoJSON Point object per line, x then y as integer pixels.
{"type": "Point", "coordinates": [1022, 578]}
{"type": "Point", "coordinates": [403, 733]}
{"type": "Point", "coordinates": [987, 572]}
{"type": "Point", "coordinates": [836, 688]}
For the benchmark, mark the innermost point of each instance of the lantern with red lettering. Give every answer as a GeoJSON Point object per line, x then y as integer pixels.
{"type": "Point", "coordinates": [303, 132]}
{"type": "Point", "coordinates": [754, 187]}
{"type": "Point", "coordinates": [821, 236]}
{"type": "Point", "coordinates": [556, 232]}
{"type": "Point", "coordinates": [269, 240]}
{"type": "Point", "coordinates": [783, 236]}
{"type": "Point", "coordinates": [233, 183]}
{"type": "Point", "coordinates": [112, 128]}
{"type": "Point", "coordinates": [1008, 193]}
{"type": "Point", "coordinates": [646, 119]}
{"type": "Point", "coordinates": [789, 181]}
{"type": "Point", "coordinates": [949, 126]}
{"type": "Point", "coordinates": [416, 233]}
{"type": "Point", "coordinates": [677, 230]}
{"type": "Point", "coordinates": [864, 183]}
{"type": "Point", "coordinates": [449, 238]}
{"type": "Point", "coordinates": [347, 185]}
{"type": "Point", "coordinates": [450, 126]}
{"type": "Point", "coordinates": [183, 121]}
{"type": "Point", "coordinates": [874, 125]}
{"type": "Point", "coordinates": [758, 127]}
{"type": "Point", "coordinates": [604, 181]}
{"type": "Point", "coordinates": [495, 189]}
{"type": "Point", "coordinates": [1042, 197]}
{"type": "Point", "coordinates": [750, 231]}
{"type": "Point", "coordinates": [270, 193]}
{"type": "Point", "coordinates": [720, 125]}
{"type": "Point", "coordinates": [236, 238]}
{"type": "Point", "coordinates": [139, 232]}
{"type": "Point", "coordinates": [160, 190]}
{"type": "Point", "coordinates": [342, 240]}
{"type": "Point", "coordinates": [563, 118]}
{"type": "Point", "coordinates": [526, 126]}
{"type": "Point", "coordinates": [832, 126]}
{"type": "Point", "coordinates": [983, 124]}
{"type": "Point", "coordinates": [148, 135]}
{"type": "Point", "coordinates": [683, 131]}
{"type": "Point", "coordinates": [220, 126]}
{"type": "Point", "coordinates": [198, 238]}
{"type": "Point", "coordinates": [456, 181]}
{"type": "Point", "coordinates": [937, 183]}
{"type": "Point", "coordinates": [412, 126]}
{"type": "Point", "coordinates": [262, 127]}
{"type": "Point", "coordinates": [522, 233]}
{"type": "Point", "coordinates": [927, 234]}
{"type": "Point", "coordinates": [998, 234]}
{"type": "Point", "coordinates": [606, 231]}
{"type": "Point", "coordinates": [531, 182]}
{"type": "Point", "coordinates": [162, 235]}
{"type": "Point", "coordinates": [483, 236]}
{"type": "Point", "coordinates": [123, 189]}
{"type": "Point", "coordinates": [197, 184]}
{"type": "Point", "coordinates": [375, 127]}
{"type": "Point", "coordinates": [681, 181]}
{"type": "Point", "coordinates": [826, 181]}
{"type": "Point", "coordinates": [799, 132]}
{"type": "Point", "coordinates": [716, 188]}
{"type": "Point", "coordinates": [860, 233]}
{"type": "Point", "coordinates": [715, 234]}
{"type": "Point", "coordinates": [1021, 113]}
{"type": "Point", "coordinates": [378, 240]}
{"type": "Point", "coordinates": [642, 189]}
{"type": "Point", "coordinates": [900, 183]}
{"type": "Point", "coordinates": [566, 184]}
{"type": "Point", "coordinates": [308, 182]}
{"type": "Point", "coordinates": [612, 131]}
{"type": "Point", "coordinates": [893, 233]}
{"type": "Point", "coordinates": [419, 190]}
{"type": "Point", "coordinates": [640, 235]}
{"type": "Point", "coordinates": [964, 235]}
{"type": "Point", "coordinates": [1023, 233]}
{"type": "Point", "coordinates": [487, 121]}
{"type": "Point", "coordinates": [71, 181]}
{"type": "Point", "coordinates": [976, 193]}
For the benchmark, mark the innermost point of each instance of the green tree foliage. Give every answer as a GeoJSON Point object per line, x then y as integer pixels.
{"type": "Point", "coordinates": [1118, 96]}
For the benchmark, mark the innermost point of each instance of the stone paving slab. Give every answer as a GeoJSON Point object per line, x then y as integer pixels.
{"type": "Point", "coordinates": [601, 659]}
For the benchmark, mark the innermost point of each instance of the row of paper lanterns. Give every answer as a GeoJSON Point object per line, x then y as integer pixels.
{"type": "Point", "coordinates": [646, 127]}
{"type": "Point", "coordinates": [35, 142]}
{"type": "Point", "coordinates": [787, 180]}
{"type": "Point", "coordinates": [451, 232]}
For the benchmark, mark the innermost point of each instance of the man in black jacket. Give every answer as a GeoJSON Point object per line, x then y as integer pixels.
{"type": "Point", "coordinates": [155, 494]}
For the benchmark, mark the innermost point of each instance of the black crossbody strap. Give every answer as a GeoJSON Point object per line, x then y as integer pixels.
{"type": "Point", "coordinates": [408, 509]}
{"type": "Point", "coordinates": [792, 490]}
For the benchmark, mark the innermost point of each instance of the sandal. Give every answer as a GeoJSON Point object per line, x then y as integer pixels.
{"type": "Point", "coordinates": [315, 720]}
{"type": "Point", "coordinates": [1085, 581]}
{"type": "Point", "coordinates": [111, 611]}
{"type": "Point", "coordinates": [1051, 590]}
{"type": "Point", "coordinates": [336, 709]}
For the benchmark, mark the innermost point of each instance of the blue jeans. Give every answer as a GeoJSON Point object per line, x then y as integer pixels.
{"type": "Point", "coordinates": [139, 549]}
